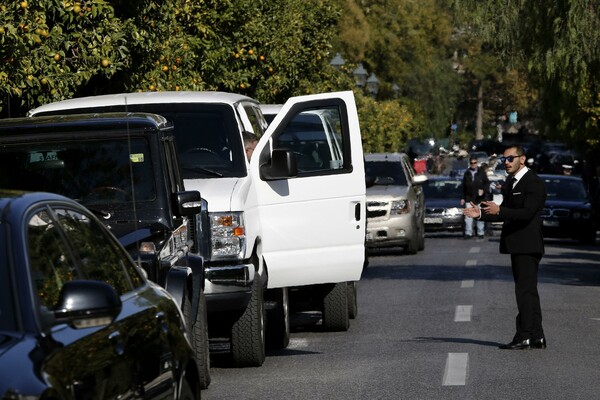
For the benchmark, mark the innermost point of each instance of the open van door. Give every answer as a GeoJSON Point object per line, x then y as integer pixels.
{"type": "Point", "coordinates": [310, 195]}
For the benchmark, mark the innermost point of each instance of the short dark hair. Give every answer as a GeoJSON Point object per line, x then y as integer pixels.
{"type": "Point", "coordinates": [249, 137]}
{"type": "Point", "coordinates": [517, 147]}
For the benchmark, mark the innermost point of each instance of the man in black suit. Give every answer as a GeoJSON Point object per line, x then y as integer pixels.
{"type": "Point", "coordinates": [524, 195]}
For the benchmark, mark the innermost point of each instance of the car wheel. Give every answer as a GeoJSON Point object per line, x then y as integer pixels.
{"type": "Point", "coordinates": [248, 332]}
{"type": "Point", "coordinates": [199, 337]}
{"type": "Point", "coordinates": [413, 246]}
{"type": "Point", "coordinates": [352, 300]}
{"type": "Point", "coordinates": [278, 320]}
{"type": "Point", "coordinates": [335, 308]}
{"type": "Point", "coordinates": [422, 238]}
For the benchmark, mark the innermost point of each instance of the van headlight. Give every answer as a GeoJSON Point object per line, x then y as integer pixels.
{"type": "Point", "coordinates": [228, 235]}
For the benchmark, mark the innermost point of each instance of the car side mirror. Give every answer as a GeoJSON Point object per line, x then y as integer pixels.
{"type": "Point", "coordinates": [188, 203]}
{"type": "Point", "coordinates": [87, 303]}
{"type": "Point", "coordinates": [369, 180]}
{"type": "Point", "coordinates": [281, 165]}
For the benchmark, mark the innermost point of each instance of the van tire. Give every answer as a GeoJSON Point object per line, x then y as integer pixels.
{"type": "Point", "coordinates": [352, 300]}
{"type": "Point", "coordinates": [248, 332]}
{"type": "Point", "coordinates": [335, 308]}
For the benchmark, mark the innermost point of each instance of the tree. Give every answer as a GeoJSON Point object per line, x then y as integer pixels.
{"type": "Point", "coordinates": [556, 42]}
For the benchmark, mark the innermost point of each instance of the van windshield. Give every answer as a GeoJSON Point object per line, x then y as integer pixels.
{"type": "Point", "coordinates": [208, 140]}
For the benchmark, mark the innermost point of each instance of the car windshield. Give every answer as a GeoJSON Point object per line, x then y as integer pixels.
{"type": "Point", "coordinates": [442, 189]}
{"type": "Point", "coordinates": [91, 172]}
{"type": "Point", "coordinates": [386, 173]}
{"type": "Point", "coordinates": [565, 189]}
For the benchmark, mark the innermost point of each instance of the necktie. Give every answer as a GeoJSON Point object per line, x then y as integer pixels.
{"type": "Point", "coordinates": [513, 180]}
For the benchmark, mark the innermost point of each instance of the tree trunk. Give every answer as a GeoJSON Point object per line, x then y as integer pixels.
{"type": "Point", "coordinates": [479, 119]}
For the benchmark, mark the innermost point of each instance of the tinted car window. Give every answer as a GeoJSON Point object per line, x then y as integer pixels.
{"type": "Point", "coordinates": [442, 189]}
{"type": "Point", "coordinates": [563, 189]}
{"type": "Point", "coordinates": [74, 248]}
{"type": "Point", "coordinates": [7, 316]}
{"type": "Point", "coordinates": [103, 169]}
{"type": "Point", "coordinates": [386, 173]}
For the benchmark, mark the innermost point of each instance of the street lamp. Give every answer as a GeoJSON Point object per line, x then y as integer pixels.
{"type": "Point", "coordinates": [373, 85]}
{"type": "Point", "coordinates": [337, 61]}
{"type": "Point", "coordinates": [360, 75]}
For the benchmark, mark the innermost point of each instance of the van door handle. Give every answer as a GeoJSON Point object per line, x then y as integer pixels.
{"type": "Point", "coordinates": [357, 212]}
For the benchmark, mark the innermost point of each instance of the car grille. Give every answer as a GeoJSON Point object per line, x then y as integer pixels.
{"type": "Point", "coordinates": [434, 210]}
{"type": "Point", "coordinates": [377, 209]}
{"type": "Point", "coordinates": [556, 212]}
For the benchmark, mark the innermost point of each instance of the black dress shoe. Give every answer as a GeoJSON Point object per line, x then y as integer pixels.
{"type": "Point", "coordinates": [539, 343]}
{"type": "Point", "coordinates": [517, 345]}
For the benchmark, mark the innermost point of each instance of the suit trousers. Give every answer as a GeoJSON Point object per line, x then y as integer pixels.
{"type": "Point", "coordinates": [529, 319]}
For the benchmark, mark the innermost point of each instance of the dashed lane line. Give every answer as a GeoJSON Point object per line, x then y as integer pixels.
{"type": "Point", "coordinates": [463, 313]}
{"type": "Point", "coordinates": [455, 373]}
{"type": "Point", "coordinates": [471, 263]}
{"type": "Point", "coordinates": [474, 249]}
{"type": "Point", "coordinates": [469, 283]}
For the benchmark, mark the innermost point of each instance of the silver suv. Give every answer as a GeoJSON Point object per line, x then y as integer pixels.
{"type": "Point", "coordinates": [395, 202]}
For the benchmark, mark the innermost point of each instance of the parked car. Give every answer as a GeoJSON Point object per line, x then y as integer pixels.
{"type": "Point", "coordinates": [79, 319]}
{"type": "Point", "coordinates": [443, 211]}
{"type": "Point", "coordinates": [123, 167]}
{"type": "Point", "coordinates": [568, 212]}
{"type": "Point", "coordinates": [395, 203]}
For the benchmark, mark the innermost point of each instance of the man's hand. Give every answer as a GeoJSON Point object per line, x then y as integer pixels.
{"type": "Point", "coordinates": [490, 208]}
{"type": "Point", "coordinates": [472, 212]}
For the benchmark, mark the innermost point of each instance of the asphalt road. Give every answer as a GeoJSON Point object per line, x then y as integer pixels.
{"type": "Point", "coordinates": [429, 326]}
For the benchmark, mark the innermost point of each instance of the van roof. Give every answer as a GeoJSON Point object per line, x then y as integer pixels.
{"type": "Point", "coordinates": [384, 156]}
{"type": "Point", "coordinates": [141, 98]}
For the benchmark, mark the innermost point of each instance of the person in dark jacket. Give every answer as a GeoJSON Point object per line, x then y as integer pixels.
{"type": "Point", "coordinates": [524, 195]}
{"type": "Point", "coordinates": [475, 185]}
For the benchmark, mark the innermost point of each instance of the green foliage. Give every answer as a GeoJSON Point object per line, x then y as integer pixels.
{"type": "Point", "coordinates": [557, 43]}
{"type": "Point", "coordinates": [386, 126]}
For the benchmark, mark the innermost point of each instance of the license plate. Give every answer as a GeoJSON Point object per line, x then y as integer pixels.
{"type": "Point", "coordinates": [551, 223]}
{"type": "Point", "coordinates": [433, 220]}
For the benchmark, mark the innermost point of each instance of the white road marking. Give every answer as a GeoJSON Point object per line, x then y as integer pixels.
{"type": "Point", "coordinates": [463, 313]}
{"type": "Point", "coordinates": [475, 250]}
{"type": "Point", "coordinates": [595, 319]}
{"type": "Point", "coordinates": [471, 263]}
{"type": "Point", "coordinates": [296, 343]}
{"type": "Point", "coordinates": [455, 373]}
{"type": "Point", "coordinates": [467, 283]}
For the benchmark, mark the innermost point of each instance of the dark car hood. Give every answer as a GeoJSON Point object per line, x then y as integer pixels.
{"type": "Point", "coordinates": [442, 203]}
{"type": "Point", "coordinates": [582, 205]}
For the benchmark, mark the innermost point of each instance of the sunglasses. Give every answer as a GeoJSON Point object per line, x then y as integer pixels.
{"type": "Point", "coordinates": [509, 158]}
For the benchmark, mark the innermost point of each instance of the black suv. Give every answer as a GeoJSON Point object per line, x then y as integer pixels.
{"type": "Point", "coordinates": [125, 169]}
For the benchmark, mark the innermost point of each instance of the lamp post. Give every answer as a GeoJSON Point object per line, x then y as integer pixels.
{"type": "Point", "coordinates": [360, 75]}
{"type": "Point", "coordinates": [373, 85]}
{"type": "Point", "coordinates": [337, 61]}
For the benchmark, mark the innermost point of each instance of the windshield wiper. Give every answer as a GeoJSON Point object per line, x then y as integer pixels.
{"type": "Point", "coordinates": [202, 169]}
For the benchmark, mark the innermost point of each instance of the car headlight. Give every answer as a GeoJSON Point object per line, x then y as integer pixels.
{"type": "Point", "coordinates": [228, 235]}
{"type": "Point", "coordinates": [452, 212]}
{"type": "Point", "coordinates": [399, 207]}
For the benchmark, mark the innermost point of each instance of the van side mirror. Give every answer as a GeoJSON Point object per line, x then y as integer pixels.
{"type": "Point", "coordinates": [281, 165]}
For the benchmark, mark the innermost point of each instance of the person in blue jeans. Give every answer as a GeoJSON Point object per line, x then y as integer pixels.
{"type": "Point", "coordinates": [475, 185]}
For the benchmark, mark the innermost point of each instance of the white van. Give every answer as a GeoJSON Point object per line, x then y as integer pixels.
{"type": "Point", "coordinates": [281, 226]}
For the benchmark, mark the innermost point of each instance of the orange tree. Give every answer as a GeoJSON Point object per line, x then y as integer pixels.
{"type": "Point", "coordinates": [57, 49]}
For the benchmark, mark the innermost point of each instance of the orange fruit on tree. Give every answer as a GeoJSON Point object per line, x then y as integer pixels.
{"type": "Point", "coordinates": [24, 4]}
{"type": "Point", "coordinates": [56, 57]}
{"type": "Point", "coordinates": [105, 63]}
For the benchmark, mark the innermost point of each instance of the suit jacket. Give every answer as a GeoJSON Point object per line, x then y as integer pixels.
{"type": "Point", "coordinates": [471, 185]}
{"type": "Point", "coordinates": [521, 213]}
